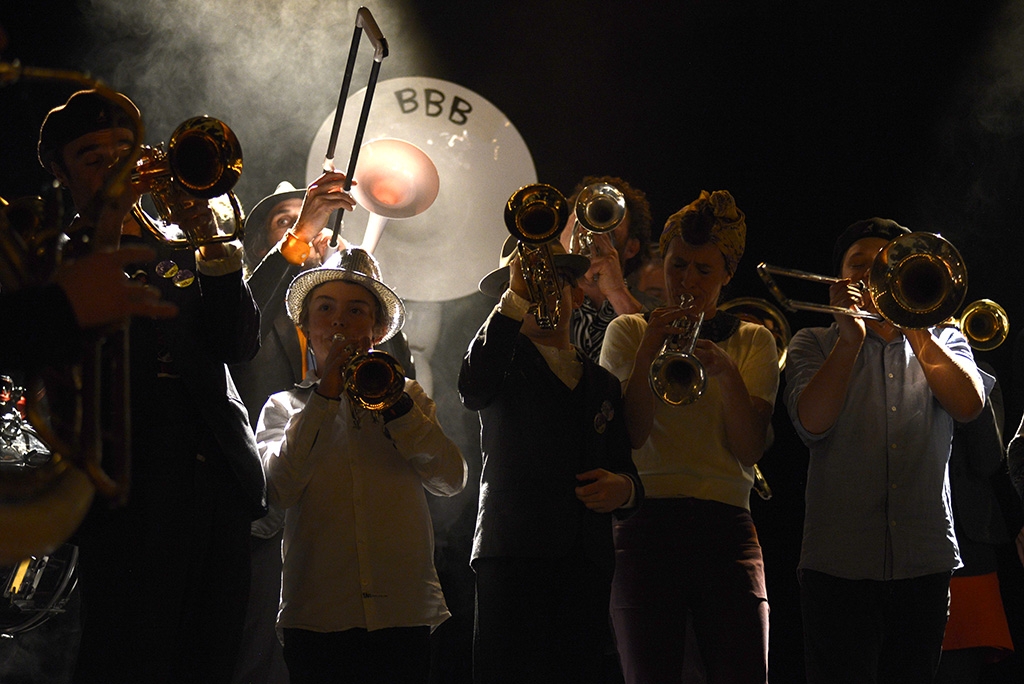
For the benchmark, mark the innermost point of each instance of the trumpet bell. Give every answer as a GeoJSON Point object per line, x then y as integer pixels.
{"type": "Point", "coordinates": [985, 324]}
{"type": "Point", "coordinates": [375, 381]}
{"type": "Point", "coordinates": [536, 213]}
{"type": "Point", "coordinates": [600, 207]}
{"type": "Point", "coordinates": [677, 378]}
{"type": "Point", "coordinates": [205, 156]}
{"type": "Point", "coordinates": [918, 280]}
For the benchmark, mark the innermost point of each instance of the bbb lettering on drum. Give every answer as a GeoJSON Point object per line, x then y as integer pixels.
{"type": "Point", "coordinates": [433, 104]}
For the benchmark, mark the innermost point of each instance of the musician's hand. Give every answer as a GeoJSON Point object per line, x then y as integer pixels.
{"type": "Point", "coordinates": [332, 375]}
{"type": "Point", "coordinates": [516, 281]}
{"type": "Point", "coordinates": [605, 272]}
{"type": "Point", "coordinates": [324, 196]}
{"type": "Point", "coordinates": [100, 293]}
{"type": "Point", "coordinates": [321, 243]}
{"type": "Point", "coordinates": [713, 358]}
{"type": "Point", "coordinates": [604, 491]}
{"type": "Point", "coordinates": [660, 325]}
{"type": "Point", "coordinates": [848, 295]}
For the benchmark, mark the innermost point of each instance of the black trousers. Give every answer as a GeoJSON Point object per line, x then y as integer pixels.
{"type": "Point", "coordinates": [541, 620]}
{"type": "Point", "coordinates": [868, 632]}
{"type": "Point", "coordinates": [165, 580]}
{"type": "Point", "coordinates": [399, 655]}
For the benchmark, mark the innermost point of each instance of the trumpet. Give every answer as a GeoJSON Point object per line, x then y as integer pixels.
{"type": "Point", "coordinates": [984, 323]}
{"type": "Point", "coordinates": [677, 377]}
{"type": "Point", "coordinates": [534, 215]}
{"type": "Point", "coordinates": [599, 208]}
{"type": "Point", "coordinates": [203, 161]}
{"type": "Point", "coordinates": [373, 380]}
{"type": "Point", "coordinates": [916, 281]}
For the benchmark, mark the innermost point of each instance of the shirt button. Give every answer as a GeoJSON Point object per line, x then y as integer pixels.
{"type": "Point", "coordinates": [891, 376]}
{"type": "Point", "coordinates": [893, 409]}
{"type": "Point", "coordinates": [893, 445]}
{"type": "Point", "coordinates": [894, 487]}
{"type": "Point", "coordinates": [892, 523]}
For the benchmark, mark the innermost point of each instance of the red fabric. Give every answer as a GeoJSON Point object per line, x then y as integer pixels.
{"type": "Point", "coordinates": [976, 616]}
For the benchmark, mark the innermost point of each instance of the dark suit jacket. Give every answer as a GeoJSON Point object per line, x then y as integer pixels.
{"type": "Point", "coordinates": [536, 435]}
{"type": "Point", "coordinates": [217, 324]}
{"type": "Point", "coordinates": [278, 364]}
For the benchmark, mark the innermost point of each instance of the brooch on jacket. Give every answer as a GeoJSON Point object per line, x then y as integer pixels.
{"type": "Point", "coordinates": [603, 416]}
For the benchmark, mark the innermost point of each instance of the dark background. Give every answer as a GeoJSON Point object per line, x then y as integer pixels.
{"type": "Point", "coordinates": [813, 114]}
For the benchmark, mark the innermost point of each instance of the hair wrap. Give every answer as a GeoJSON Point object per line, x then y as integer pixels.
{"type": "Point", "coordinates": [728, 229]}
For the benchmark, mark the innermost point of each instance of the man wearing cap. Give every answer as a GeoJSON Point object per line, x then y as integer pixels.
{"type": "Point", "coordinates": [876, 406]}
{"type": "Point", "coordinates": [360, 593]}
{"type": "Point", "coordinates": [693, 547]}
{"type": "Point", "coordinates": [556, 465]}
{"type": "Point", "coordinates": [164, 578]}
{"type": "Point", "coordinates": [614, 256]}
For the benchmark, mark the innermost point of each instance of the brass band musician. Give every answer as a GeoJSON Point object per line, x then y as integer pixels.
{"type": "Point", "coordinates": [876, 405]}
{"type": "Point", "coordinates": [164, 577]}
{"type": "Point", "coordinates": [692, 547]}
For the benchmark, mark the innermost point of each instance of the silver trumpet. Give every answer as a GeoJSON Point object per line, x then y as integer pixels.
{"type": "Point", "coordinates": [599, 208]}
{"type": "Point", "coordinates": [677, 377]}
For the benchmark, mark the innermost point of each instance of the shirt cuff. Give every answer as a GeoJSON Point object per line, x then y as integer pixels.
{"type": "Point", "coordinates": [631, 502]}
{"type": "Point", "coordinates": [223, 265]}
{"type": "Point", "coordinates": [513, 306]}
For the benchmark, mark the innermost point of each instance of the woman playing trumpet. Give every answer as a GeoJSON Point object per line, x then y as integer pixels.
{"type": "Point", "coordinates": [692, 547]}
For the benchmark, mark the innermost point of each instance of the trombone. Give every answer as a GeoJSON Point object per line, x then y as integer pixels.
{"type": "Point", "coordinates": [916, 281]}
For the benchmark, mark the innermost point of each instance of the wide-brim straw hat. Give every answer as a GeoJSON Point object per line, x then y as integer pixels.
{"type": "Point", "coordinates": [354, 266]}
{"type": "Point", "coordinates": [495, 283]}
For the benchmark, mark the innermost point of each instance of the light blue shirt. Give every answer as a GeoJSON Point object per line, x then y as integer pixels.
{"type": "Point", "coordinates": [877, 498]}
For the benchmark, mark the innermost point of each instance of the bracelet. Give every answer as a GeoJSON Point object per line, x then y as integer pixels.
{"type": "Point", "coordinates": [294, 250]}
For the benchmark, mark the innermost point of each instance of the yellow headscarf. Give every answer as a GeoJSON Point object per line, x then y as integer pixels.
{"type": "Point", "coordinates": [729, 233]}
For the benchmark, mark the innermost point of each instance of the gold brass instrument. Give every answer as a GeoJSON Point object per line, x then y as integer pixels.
{"type": "Point", "coordinates": [599, 208]}
{"type": "Point", "coordinates": [374, 380]}
{"type": "Point", "coordinates": [79, 410]}
{"type": "Point", "coordinates": [916, 281]}
{"type": "Point", "coordinates": [984, 323]}
{"type": "Point", "coordinates": [203, 161]}
{"type": "Point", "coordinates": [534, 215]}
{"type": "Point", "coordinates": [763, 312]}
{"type": "Point", "coordinates": [677, 377]}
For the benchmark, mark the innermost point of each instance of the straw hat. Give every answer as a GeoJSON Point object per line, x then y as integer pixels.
{"type": "Point", "coordinates": [354, 266]}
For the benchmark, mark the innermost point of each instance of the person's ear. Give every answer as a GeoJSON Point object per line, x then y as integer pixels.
{"type": "Point", "coordinates": [631, 249]}
{"type": "Point", "coordinates": [577, 296]}
{"type": "Point", "coordinates": [58, 172]}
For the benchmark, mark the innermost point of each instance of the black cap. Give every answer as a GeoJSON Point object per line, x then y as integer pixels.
{"type": "Point", "coordinates": [886, 229]}
{"type": "Point", "coordinates": [84, 112]}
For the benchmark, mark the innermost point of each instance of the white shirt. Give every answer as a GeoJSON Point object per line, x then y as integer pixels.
{"type": "Point", "coordinates": [686, 453]}
{"type": "Point", "coordinates": [358, 539]}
